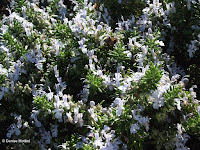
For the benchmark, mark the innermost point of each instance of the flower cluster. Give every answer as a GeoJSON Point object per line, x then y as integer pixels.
{"type": "Point", "coordinates": [73, 78]}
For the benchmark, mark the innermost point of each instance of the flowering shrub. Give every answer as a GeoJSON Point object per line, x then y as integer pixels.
{"type": "Point", "coordinates": [70, 81]}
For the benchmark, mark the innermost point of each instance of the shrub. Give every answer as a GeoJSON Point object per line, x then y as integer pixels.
{"type": "Point", "coordinates": [70, 81]}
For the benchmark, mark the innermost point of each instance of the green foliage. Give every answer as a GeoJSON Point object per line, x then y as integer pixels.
{"type": "Point", "coordinates": [42, 103]}
{"type": "Point", "coordinates": [118, 54]}
{"type": "Point", "coordinates": [151, 79]}
{"type": "Point", "coordinates": [170, 95]}
{"type": "Point", "coordinates": [67, 87]}
{"type": "Point", "coordinates": [95, 83]}
{"type": "Point", "coordinates": [19, 4]}
{"type": "Point", "coordinates": [62, 31]}
{"type": "Point", "coordinates": [2, 79]}
{"type": "Point", "coordinates": [88, 147]}
{"type": "Point", "coordinates": [192, 125]}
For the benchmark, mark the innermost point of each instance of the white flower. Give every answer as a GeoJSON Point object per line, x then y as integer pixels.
{"type": "Point", "coordinates": [5, 49]}
{"type": "Point", "coordinates": [189, 3]}
{"type": "Point", "coordinates": [92, 103]}
{"type": "Point", "coordinates": [137, 76]}
{"type": "Point", "coordinates": [54, 131]}
{"type": "Point", "coordinates": [158, 100]}
{"type": "Point", "coordinates": [3, 71]}
{"type": "Point", "coordinates": [4, 89]}
{"type": "Point", "coordinates": [79, 145]}
{"type": "Point", "coordinates": [62, 10]}
{"type": "Point", "coordinates": [144, 49]}
{"type": "Point", "coordinates": [80, 119]}
{"type": "Point", "coordinates": [58, 111]}
{"type": "Point", "coordinates": [128, 53]}
{"type": "Point", "coordinates": [118, 78]}
{"type": "Point", "coordinates": [106, 128]}
{"type": "Point", "coordinates": [123, 87]}
{"type": "Point", "coordinates": [134, 128]}
{"type": "Point", "coordinates": [39, 62]}
{"type": "Point", "coordinates": [198, 109]}
{"type": "Point", "coordinates": [38, 123]}
{"type": "Point", "coordinates": [120, 107]}
{"type": "Point", "coordinates": [69, 117]}
{"type": "Point", "coordinates": [177, 101]}
{"type": "Point", "coordinates": [135, 116]}
{"type": "Point", "coordinates": [181, 138]}
{"type": "Point", "coordinates": [64, 146]}
{"type": "Point", "coordinates": [12, 87]}
{"type": "Point", "coordinates": [192, 48]}
{"type": "Point", "coordinates": [98, 141]}
{"type": "Point", "coordinates": [28, 31]}
{"type": "Point", "coordinates": [81, 42]}
{"type": "Point", "coordinates": [99, 73]}
{"type": "Point", "coordinates": [4, 29]}
{"type": "Point", "coordinates": [1, 95]}
{"type": "Point", "coordinates": [9, 134]}
{"type": "Point", "coordinates": [107, 80]}
{"type": "Point", "coordinates": [144, 121]}
{"type": "Point", "coordinates": [47, 137]}
{"type": "Point", "coordinates": [92, 67]}
{"type": "Point", "coordinates": [99, 27]}
{"type": "Point", "coordinates": [84, 49]}
{"type": "Point", "coordinates": [19, 121]}
{"type": "Point", "coordinates": [160, 43]}
{"type": "Point", "coordinates": [93, 115]}
{"type": "Point", "coordinates": [119, 1]}
{"type": "Point", "coordinates": [49, 95]}
{"type": "Point", "coordinates": [13, 129]}
{"type": "Point", "coordinates": [34, 90]}
{"type": "Point", "coordinates": [76, 110]}
{"type": "Point", "coordinates": [34, 117]}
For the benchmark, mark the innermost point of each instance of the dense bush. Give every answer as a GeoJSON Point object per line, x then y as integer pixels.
{"type": "Point", "coordinates": [95, 75]}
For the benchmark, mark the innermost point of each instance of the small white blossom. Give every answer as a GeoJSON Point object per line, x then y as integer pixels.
{"type": "Point", "coordinates": [134, 128]}
{"type": "Point", "coordinates": [160, 43]}
{"type": "Point", "coordinates": [120, 107]}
